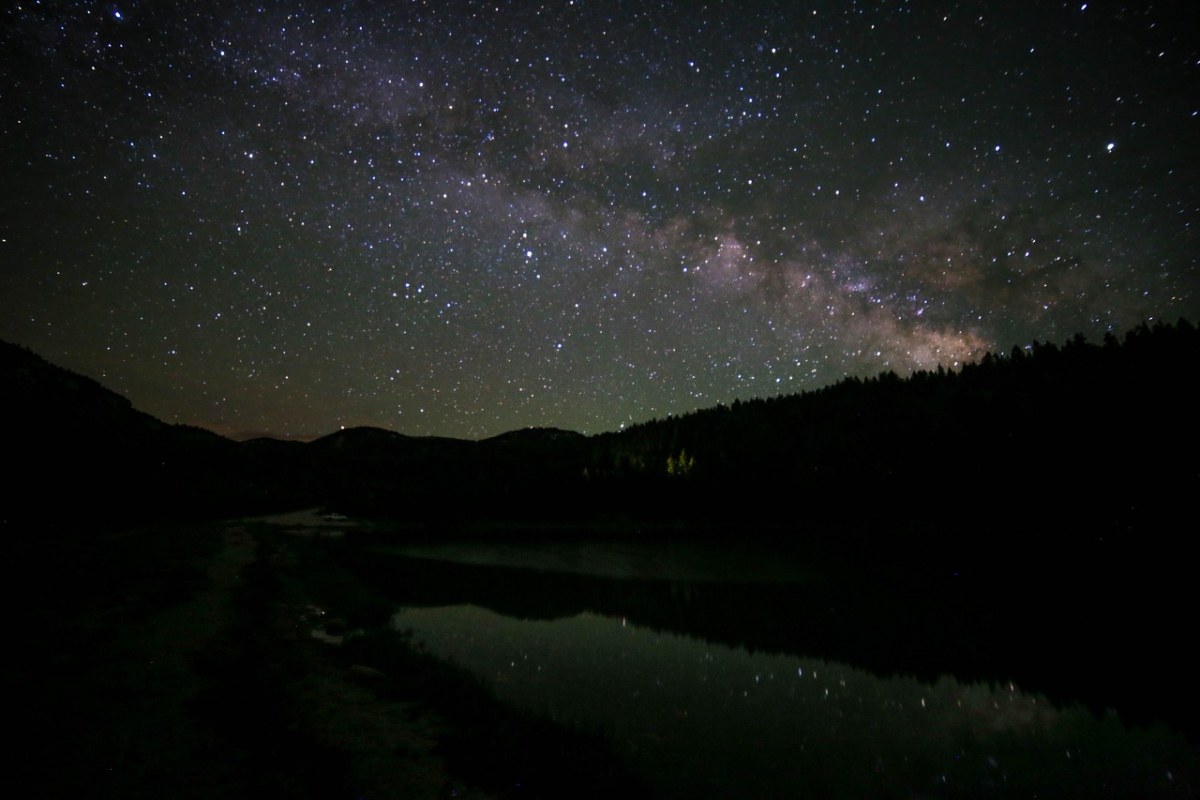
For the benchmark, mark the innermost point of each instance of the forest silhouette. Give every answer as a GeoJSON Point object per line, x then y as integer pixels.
{"type": "Point", "coordinates": [1084, 440]}
{"type": "Point", "coordinates": [1021, 516]}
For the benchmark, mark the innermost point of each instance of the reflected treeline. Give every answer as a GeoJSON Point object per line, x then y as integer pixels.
{"type": "Point", "coordinates": [1062, 639]}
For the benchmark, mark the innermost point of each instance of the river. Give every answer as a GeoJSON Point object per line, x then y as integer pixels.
{"type": "Point", "coordinates": [717, 672]}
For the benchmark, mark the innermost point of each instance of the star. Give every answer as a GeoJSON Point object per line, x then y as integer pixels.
{"type": "Point", "coordinates": [639, 209]}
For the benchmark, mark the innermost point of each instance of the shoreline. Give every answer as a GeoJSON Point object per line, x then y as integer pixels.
{"type": "Point", "coordinates": [211, 660]}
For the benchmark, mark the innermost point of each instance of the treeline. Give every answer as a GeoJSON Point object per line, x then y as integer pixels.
{"type": "Point", "coordinates": [1087, 439]}
{"type": "Point", "coordinates": [1079, 433]}
{"type": "Point", "coordinates": [1080, 437]}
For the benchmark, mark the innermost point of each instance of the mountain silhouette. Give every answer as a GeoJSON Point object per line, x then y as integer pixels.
{"type": "Point", "coordinates": [1086, 439]}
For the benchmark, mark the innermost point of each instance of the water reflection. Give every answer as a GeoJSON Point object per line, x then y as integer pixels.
{"type": "Point", "coordinates": [726, 673]}
{"type": "Point", "coordinates": [1073, 637]}
{"type": "Point", "coordinates": [691, 562]}
{"type": "Point", "coordinates": [707, 720]}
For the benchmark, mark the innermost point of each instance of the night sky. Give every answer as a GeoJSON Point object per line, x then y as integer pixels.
{"type": "Point", "coordinates": [464, 218]}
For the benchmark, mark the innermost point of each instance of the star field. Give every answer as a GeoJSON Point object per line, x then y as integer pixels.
{"type": "Point", "coordinates": [462, 218]}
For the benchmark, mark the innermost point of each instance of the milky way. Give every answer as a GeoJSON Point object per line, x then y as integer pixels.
{"type": "Point", "coordinates": [460, 219]}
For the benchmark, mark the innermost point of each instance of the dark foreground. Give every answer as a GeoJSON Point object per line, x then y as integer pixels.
{"type": "Point", "coordinates": [255, 658]}
{"type": "Point", "coordinates": [210, 662]}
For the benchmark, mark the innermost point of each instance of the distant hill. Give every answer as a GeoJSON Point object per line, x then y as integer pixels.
{"type": "Point", "coordinates": [535, 436]}
{"type": "Point", "coordinates": [1086, 439]}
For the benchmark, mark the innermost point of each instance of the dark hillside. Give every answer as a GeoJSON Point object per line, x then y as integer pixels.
{"type": "Point", "coordinates": [1085, 440]}
{"type": "Point", "coordinates": [83, 454]}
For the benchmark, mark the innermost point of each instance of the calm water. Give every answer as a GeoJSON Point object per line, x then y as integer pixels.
{"type": "Point", "coordinates": [715, 678]}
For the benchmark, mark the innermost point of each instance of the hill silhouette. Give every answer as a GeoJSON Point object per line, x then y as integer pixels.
{"type": "Point", "coordinates": [99, 460]}
{"type": "Point", "coordinates": [1018, 518]}
{"type": "Point", "coordinates": [1088, 440]}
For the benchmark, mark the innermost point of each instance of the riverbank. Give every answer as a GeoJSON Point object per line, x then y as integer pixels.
{"type": "Point", "coordinates": [214, 661]}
